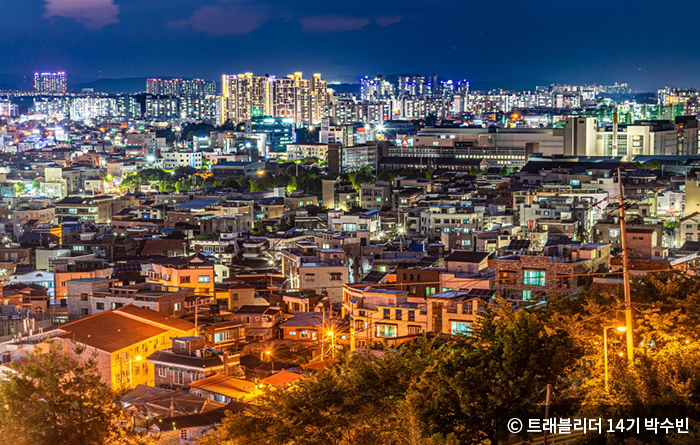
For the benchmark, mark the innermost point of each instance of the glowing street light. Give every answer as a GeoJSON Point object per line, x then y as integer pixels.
{"type": "Point", "coordinates": [605, 348]}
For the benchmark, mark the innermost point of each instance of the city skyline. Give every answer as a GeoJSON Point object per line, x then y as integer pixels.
{"type": "Point", "coordinates": [531, 43]}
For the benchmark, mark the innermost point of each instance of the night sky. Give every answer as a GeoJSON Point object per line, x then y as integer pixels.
{"type": "Point", "coordinates": [510, 42]}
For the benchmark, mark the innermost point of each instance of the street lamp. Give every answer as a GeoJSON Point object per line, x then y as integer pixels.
{"type": "Point", "coordinates": [332, 336]}
{"type": "Point", "coordinates": [605, 347]}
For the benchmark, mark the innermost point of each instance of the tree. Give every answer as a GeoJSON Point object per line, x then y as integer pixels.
{"type": "Point", "coordinates": [292, 186]}
{"type": "Point", "coordinates": [428, 391]}
{"type": "Point", "coordinates": [20, 188]}
{"type": "Point", "coordinates": [259, 228]}
{"type": "Point", "coordinates": [36, 185]}
{"type": "Point", "coordinates": [357, 178]}
{"type": "Point", "coordinates": [495, 375]}
{"type": "Point", "coordinates": [53, 400]}
{"type": "Point", "coordinates": [357, 402]}
{"type": "Point", "coordinates": [385, 175]}
{"type": "Point", "coordinates": [130, 183]}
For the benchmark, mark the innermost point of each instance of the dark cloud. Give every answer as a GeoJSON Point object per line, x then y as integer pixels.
{"type": "Point", "coordinates": [224, 18]}
{"type": "Point", "coordinates": [326, 23]}
{"type": "Point", "coordinates": [93, 14]}
{"type": "Point", "coordinates": [339, 23]}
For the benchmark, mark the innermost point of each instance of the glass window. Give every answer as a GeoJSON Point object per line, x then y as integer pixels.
{"type": "Point", "coordinates": [204, 278]}
{"type": "Point", "coordinates": [387, 313]}
{"type": "Point", "coordinates": [461, 328]}
{"type": "Point", "coordinates": [527, 295]}
{"type": "Point", "coordinates": [385, 330]}
{"type": "Point", "coordinates": [533, 277]}
{"type": "Point", "coordinates": [221, 336]}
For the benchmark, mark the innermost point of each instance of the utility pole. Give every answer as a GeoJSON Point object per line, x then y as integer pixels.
{"type": "Point", "coordinates": [625, 271]}
{"type": "Point", "coordinates": [548, 399]}
{"type": "Point", "coordinates": [614, 132]}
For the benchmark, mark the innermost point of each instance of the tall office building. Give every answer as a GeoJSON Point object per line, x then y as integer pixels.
{"type": "Point", "coordinates": [246, 96]}
{"type": "Point", "coordinates": [52, 83]}
{"type": "Point", "coordinates": [279, 132]}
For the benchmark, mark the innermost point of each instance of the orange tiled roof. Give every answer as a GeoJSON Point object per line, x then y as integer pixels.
{"type": "Point", "coordinates": [282, 378]}
{"type": "Point", "coordinates": [110, 331]}
{"type": "Point", "coordinates": [226, 385]}
{"type": "Point", "coordinates": [154, 317]}
{"type": "Point", "coordinates": [319, 366]}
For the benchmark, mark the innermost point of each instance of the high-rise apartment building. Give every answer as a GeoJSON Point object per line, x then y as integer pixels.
{"type": "Point", "coordinates": [52, 83]}
{"type": "Point", "coordinates": [181, 87]}
{"type": "Point", "coordinates": [246, 96]}
{"type": "Point", "coordinates": [418, 86]}
{"type": "Point", "coordinates": [376, 88]}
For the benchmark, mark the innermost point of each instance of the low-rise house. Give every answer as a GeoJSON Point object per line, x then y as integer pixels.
{"type": "Point", "coordinates": [260, 322]}
{"type": "Point", "coordinates": [66, 269]}
{"type": "Point", "coordinates": [462, 261]}
{"type": "Point", "coordinates": [310, 326]}
{"type": "Point", "coordinates": [189, 360]}
{"type": "Point", "coordinates": [93, 295]}
{"type": "Point", "coordinates": [119, 341]}
{"type": "Point", "coordinates": [226, 336]}
{"type": "Point", "coordinates": [378, 314]}
{"type": "Point", "coordinates": [39, 277]}
{"type": "Point", "coordinates": [224, 388]}
{"type": "Point", "coordinates": [195, 272]}
{"type": "Point", "coordinates": [559, 269]}
{"type": "Point", "coordinates": [322, 270]}
{"type": "Point", "coordinates": [187, 429]}
{"type": "Point", "coordinates": [456, 312]}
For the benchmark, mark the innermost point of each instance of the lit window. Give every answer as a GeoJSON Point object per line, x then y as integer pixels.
{"type": "Point", "coordinates": [385, 330]}
{"type": "Point", "coordinates": [204, 278]}
{"type": "Point", "coordinates": [533, 277]}
{"type": "Point", "coordinates": [461, 328]}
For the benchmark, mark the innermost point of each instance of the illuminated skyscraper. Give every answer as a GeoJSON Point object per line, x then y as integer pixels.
{"type": "Point", "coordinates": [52, 83]}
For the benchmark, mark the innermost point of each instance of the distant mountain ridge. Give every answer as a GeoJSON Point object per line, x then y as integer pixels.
{"type": "Point", "coordinates": [113, 86]}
